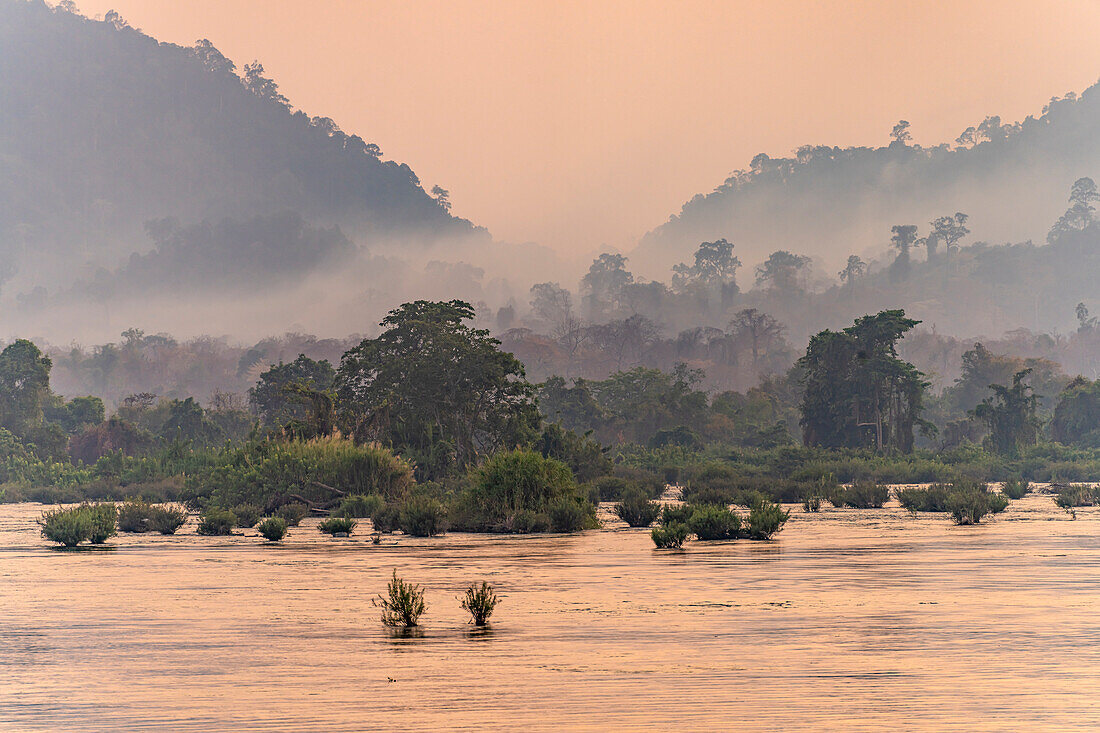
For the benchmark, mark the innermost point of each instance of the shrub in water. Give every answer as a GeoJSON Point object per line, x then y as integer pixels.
{"type": "Point", "coordinates": [636, 508]}
{"type": "Point", "coordinates": [133, 516]}
{"type": "Point", "coordinates": [765, 519]}
{"type": "Point", "coordinates": [292, 513]}
{"type": "Point", "coordinates": [247, 515]}
{"type": "Point", "coordinates": [1075, 495]}
{"type": "Point", "coordinates": [217, 522]}
{"type": "Point", "coordinates": [866, 495]}
{"type": "Point", "coordinates": [403, 603]}
{"type": "Point", "coordinates": [480, 602]}
{"type": "Point", "coordinates": [933, 499]}
{"type": "Point", "coordinates": [1015, 488]}
{"type": "Point", "coordinates": [567, 514]}
{"type": "Point", "coordinates": [968, 506]}
{"type": "Point", "coordinates": [811, 503]}
{"type": "Point", "coordinates": [273, 529]}
{"type": "Point", "coordinates": [101, 522]}
{"type": "Point", "coordinates": [675, 514]}
{"type": "Point", "coordinates": [670, 537]}
{"type": "Point", "coordinates": [337, 525]}
{"type": "Point", "coordinates": [386, 518]}
{"type": "Point", "coordinates": [527, 522]}
{"type": "Point", "coordinates": [714, 523]}
{"type": "Point", "coordinates": [68, 527]}
{"type": "Point", "coordinates": [423, 516]}
{"type": "Point", "coordinates": [167, 519]}
{"type": "Point", "coordinates": [358, 506]}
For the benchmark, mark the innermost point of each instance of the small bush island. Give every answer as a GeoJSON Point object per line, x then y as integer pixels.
{"type": "Point", "coordinates": [273, 529]}
{"type": "Point", "coordinates": [637, 509]}
{"type": "Point", "coordinates": [337, 525]}
{"type": "Point", "coordinates": [403, 604]}
{"type": "Point", "coordinates": [216, 522]}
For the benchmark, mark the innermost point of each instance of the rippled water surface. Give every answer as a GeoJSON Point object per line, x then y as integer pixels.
{"type": "Point", "coordinates": [849, 620]}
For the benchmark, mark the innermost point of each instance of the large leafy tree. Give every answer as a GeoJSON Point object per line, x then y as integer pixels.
{"type": "Point", "coordinates": [434, 388]}
{"type": "Point", "coordinates": [1010, 415]}
{"type": "Point", "coordinates": [285, 393]}
{"type": "Point", "coordinates": [1077, 416]}
{"type": "Point", "coordinates": [24, 387]}
{"type": "Point", "coordinates": [858, 393]}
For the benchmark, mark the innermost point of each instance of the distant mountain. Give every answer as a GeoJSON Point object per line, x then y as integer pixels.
{"type": "Point", "coordinates": [103, 129]}
{"type": "Point", "coordinates": [1012, 179]}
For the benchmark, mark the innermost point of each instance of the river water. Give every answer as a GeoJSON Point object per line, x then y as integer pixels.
{"type": "Point", "coordinates": [849, 620]}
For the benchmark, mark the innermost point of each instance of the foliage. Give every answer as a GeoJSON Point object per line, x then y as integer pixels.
{"type": "Point", "coordinates": [386, 518]}
{"type": "Point", "coordinates": [134, 515]}
{"type": "Point", "coordinates": [637, 509]}
{"type": "Point", "coordinates": [670, 537]}
{"type": "Point", "coordinates": [861, 495]}
{"type": "Point", "coordinates": [480, 603]}
{"type": "Point", "coordinates": [433, 387]}
{"type": "Point", "coordinates": [584, 456]}
{"type": "Point", "coordinates": [671, 514]}
{"type": "Point", "coordinates": [765, 519]}
{"type": "Point", "coordinates": [1010, 415]}
{"type": "Point", "coordinates": [811, 503]}
{"type": "Point", "coordinates": [571, 514]}
{"type": "Point", "coordinates": [68, 527]}
{"type": "Point", "coordinates": [1076, 495]}
{"type": "Point", "coordinates": [274, 396]}
{"type": "Point", "coordinates": [247, 515]}
{"type": "Point", "coordinates": [337, 525]}
{"type": "Point", "coordinates": [1076, 418]}
{"type": "Point", "coordinates": [714, 523]}
{"type": "Point", "coordinates": [101, 522]}
{"type": "Point", "coordinates": [1015, 488]}
{"type": "Point", "coordinates": [423, 516]}
{"type": "Point", "coordinates": [292, 513]}
{"type": "Point", "coordinates": [359, 506]}
{"type": "Point", "coordinates": [403, 604]}
{"type": "Point", "coordinates": [857, 391]}
{"type": "Point", "coordinates": [273, 529]}
{"type": "Point", "coordinates": [166, 519]}
{"type": "Point", "coordinates": [216, 522]}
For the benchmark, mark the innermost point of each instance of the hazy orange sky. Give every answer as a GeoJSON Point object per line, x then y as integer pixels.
{"type": "Point", "coordinates": [578, 124]}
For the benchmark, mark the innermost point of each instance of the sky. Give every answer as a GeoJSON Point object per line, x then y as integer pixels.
{"type": "Point", "coordinates": [582, 125]}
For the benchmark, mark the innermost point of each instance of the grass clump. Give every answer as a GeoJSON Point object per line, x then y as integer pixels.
{"type": "Point", "coordinates": [167, 519]}
{"type": "Point", "coordinates": [765, 519]}
{"type": "Point", "coordinates": [358, 506]}
{"type": "Point", "coordinates": [423, 516]}
{"type": "Point", "coordinates": [216, 522]}
{"type": "Point", "coordinates": [403, 603]}
{"type": "Point", "coordinates": [248, 515]}
{"type": "Point", "coordinates": [134, 516]}
{"type": "Point", "coordinates": [1075, 495]}
{"type": "Point", "coordinates": [480, 602]}
{"type": "Point", "coordinates": [337, 525]}
{"type": "Point", "coordinates": [670, 537]}
{"type": "Point", "coordinates": [273, 529]}
{"type": "Point", "coordinates": [637, 509]}
{"type": "Point", "coordinates": [714, 523]}
{"type": "Point", "coordinates": [95, 523]}
{"type": "Point", "coordinates": [293, 514]}
{"type": "Point", "coordinates": [1015, 488]}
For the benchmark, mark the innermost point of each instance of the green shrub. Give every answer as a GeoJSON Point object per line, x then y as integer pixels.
{"type": "Point", "coordinates": [811, 503]}
{"type": "Point", "coordinates": [403, 603]}
{"type": "Point", "coordinates": [670, 537]}
{"type": "Point", "coordinates": [968, 506]}
{"type": "Point", "coordinates": [101, 522]}
{"type": "Point", "coordinates": [273, 529]}
{"type": "Point", "coordinates": [386, 518]}
{"type": "Point", "coordinates": [423, 516]}
{"type": "Point", "coordinates": [935, 498]}
{"type": "Point", "coordinates": [866, 495]}
{"type": "Point", "coordinates": [247, 515]}
{"type": "Point", "coordinates": [676, 514]}
{"type": "Point", "coordinates": [166, 519]}
{"type": "Point", "coordinates": [337, 525]}
{"type": "Point", "coordinates": [480, 602]}
{"type": "Point", "coordinates": [636, 508]}
{"type": "Point", "coordinates": [1015, 488]}
{"type": "Point", "coordinates": [570, 514]}
{"type": "Point", "coordinates": [358, 506]}
{"type": "Point", "coordinates": [765, 519]}
{"type": "Point", "coordinates": [133, 516]}
{"type": "Point", "coordinates": [526, 521]}
{"type": "Point", "coordinates": [293, 514]}
{"type": "Point", "coordinates": [68, 527]}
{"type": "Point", "coordinates": [217, 522]}
{"type": "Point", "coordinates": [714, 523]}
{"type": "Point", "coordinates": [1075, 495]}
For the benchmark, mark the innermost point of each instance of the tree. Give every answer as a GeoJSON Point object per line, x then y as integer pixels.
{"type": "Point", "coordinates": [900, 134]}
{"type": "Point", "coordinates": [782, 271]}
{"type": "Point", "coordinates": [760, 329]}
{"type": "Point", "coordinates": [715, 266]}
{"type": "Point", "coordinates": [857, 392]}
{"type": "Point", "coordinates": [947, 229]}
{"type": "Point", "coordinates": [261, 86]}
{"type": "Point", "coordinates": [1077, 416]}
{"type": "Point", "coordinates": [1010, 415]}
{"type": "Point", "coordinates": [903, 239]}
{"type": "Point", "coordinates": [442, 197]}
{"type": "Point", "coordinates": [604, 283]}
{"type": "Point", "coordinates": [854, 270]}
{"type": "Point", "coordinates": [24, 387]}
{"type": "Point", "coordinates": [278, 393]}
{"type": "Point", "coordinates": [436, 389]}
{"type": "Point", "coordinates": [1081, 212]}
